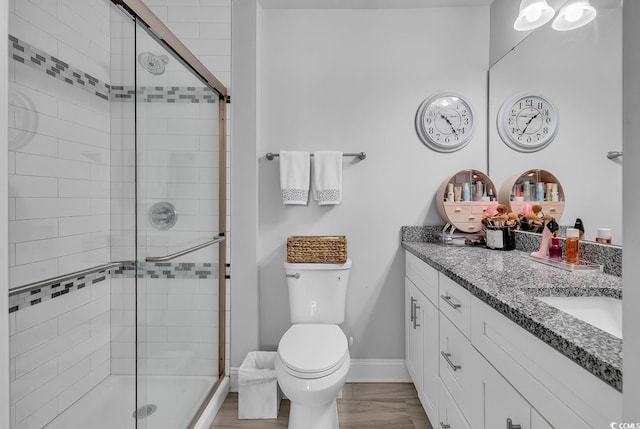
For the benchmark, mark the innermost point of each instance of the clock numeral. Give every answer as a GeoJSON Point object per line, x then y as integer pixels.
{"type": "Point", "coordinates": [528, 103]}
{"type": "Point", "coordinates": [541, 105]}
{"type": "Point", "coordinates": [548, 120]}
{"type": "Point", "coordinates": [428, 120]}
{"type": "Point", "coordinates": [466, 121]}
{"type": "Point", "coordinates": [431, 130]}
{"type": "Point", "coordinates": [515, 130]}
{"type": "Point", "coordinates": [447, 139]}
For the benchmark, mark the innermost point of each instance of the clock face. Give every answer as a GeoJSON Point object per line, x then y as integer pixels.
{"type": "Point", "coordinates": [527, 122]}
{"type": "Point", "coordinates": [445, 122]}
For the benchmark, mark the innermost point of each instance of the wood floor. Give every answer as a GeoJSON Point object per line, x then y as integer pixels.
{"type": "Point", "coordinates": [363, 406]}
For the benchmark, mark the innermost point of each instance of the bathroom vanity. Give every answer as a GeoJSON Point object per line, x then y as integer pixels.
{"type": "Point", "coordinates": [485, 353]}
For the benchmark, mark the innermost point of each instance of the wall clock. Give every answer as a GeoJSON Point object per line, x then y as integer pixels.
{"type": "Point", "coordinates": [527, 122]}
{"type": "Point", "coordinates": [445, 122]}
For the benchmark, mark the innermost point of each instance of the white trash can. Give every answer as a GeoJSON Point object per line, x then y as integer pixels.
{"type": "Point", "coordinates": [258, 393]}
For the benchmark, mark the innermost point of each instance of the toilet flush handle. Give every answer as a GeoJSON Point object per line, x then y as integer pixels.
{"type": "Point", "coordinates": [295, 276]}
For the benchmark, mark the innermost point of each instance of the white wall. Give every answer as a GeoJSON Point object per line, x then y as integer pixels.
{"type": "Point", "coordinates": [352, 80]}
{"type": "Point", "coordinates": [59, 144]}
{"type": "Point", "coordinates": [631, 205]}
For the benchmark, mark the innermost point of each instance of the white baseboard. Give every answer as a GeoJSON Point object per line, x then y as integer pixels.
{"type": "Point", "coordinates": [361, 371]}
{"type": "Point", "coordinates": [378, 371]}
{"type": "Point", "coordinates": [210, 412]}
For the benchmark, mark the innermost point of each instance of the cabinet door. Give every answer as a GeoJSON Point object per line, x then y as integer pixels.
{"type": "Point", "coordinates": [413, 337]}
{"type": "Point", "coordinates": [537, 422]}
{"type": "Point", "coordinates": [502, 402]}
{"type": "Point", "coordinates": [430, 380]}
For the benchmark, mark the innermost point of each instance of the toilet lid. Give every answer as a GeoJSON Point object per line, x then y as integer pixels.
{"type": "Point", "coordinates": [313, 348]}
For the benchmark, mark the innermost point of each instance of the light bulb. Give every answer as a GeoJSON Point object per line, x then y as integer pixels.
{"type": "Point", "coordinates": [573, 14]}
{"type": "Point", "coordinates": [533, 14]}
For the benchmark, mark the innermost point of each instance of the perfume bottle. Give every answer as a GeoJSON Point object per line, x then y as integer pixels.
{"type": "Point", "coordinates": [572, 253]}
{"type": "Point", "coordinates": [555, 251]}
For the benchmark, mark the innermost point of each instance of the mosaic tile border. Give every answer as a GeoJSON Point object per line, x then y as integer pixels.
{"type": "Point", "coordinates": [157, 270]}
{"type": "Point", "coordinates": [33, 57]}
{"type": "Point", "coordinates": [170, 270]}
{"type": "Point", "coordinates": [161, 94]}
{"type": "Point", "coordinates": [46, 293]}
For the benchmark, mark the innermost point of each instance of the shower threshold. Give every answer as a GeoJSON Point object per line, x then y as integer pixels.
{"type": "Point", "coordinates": [112, 402]}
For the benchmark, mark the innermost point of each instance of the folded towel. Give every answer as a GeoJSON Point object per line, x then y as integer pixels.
{"type": "Point", "coordinates": [327, 177]}
{"type": "Point", "coordinates": [295, 169]}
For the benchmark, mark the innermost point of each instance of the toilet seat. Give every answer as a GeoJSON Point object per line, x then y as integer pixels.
{"type": "Point", "coordinates": [313, 350]}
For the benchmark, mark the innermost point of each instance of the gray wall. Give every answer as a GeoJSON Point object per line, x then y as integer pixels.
{"type": "Point", "coordinates": [631, 208]}
{"type": "Point", "coordinates": [244, 198]}
{"type": "Point", "coordinates": [352, 80]}
{"type": "Point", "coordinates": [4, 260]}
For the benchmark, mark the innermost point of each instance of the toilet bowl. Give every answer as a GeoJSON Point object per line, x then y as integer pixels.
{"type": "Point", "coordinates": [311, 366]}
{"type": "Point", "coordinates": [313, 355]}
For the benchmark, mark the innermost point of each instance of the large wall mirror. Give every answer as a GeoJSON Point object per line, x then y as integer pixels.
{"type": "Point", "coordinates": [580, 71]}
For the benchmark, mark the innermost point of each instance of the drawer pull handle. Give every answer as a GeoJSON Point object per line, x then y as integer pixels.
{"type": "Point", "coordinates": [447, 299]}
{"type": "Point", "coordinates": [510, 425]}
{"type": "Point", "coordinates": [453, 366]}
{"type": "Point", "coordinates": [413, 309]}
{"type": "Point", "coordinates": [457, 210]}
{"type": "Point", "coordinates": [443, 426]}
{"type": "Point", "coordinates": [415, 316]}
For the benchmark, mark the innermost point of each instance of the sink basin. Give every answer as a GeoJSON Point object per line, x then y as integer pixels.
{"type": "Point", "coordinates": [602, 312]}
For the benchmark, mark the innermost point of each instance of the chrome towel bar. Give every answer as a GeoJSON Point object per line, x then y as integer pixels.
{"type": "Point", "coordinates": [360, 155]}
{"type": "Point", "coordinates": [184, 252]}
{"type": "Point", "coordinates": [59, 279]}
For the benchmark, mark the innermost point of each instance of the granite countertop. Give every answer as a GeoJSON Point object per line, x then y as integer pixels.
{"type": "Point", "coordinates": [509, 283]}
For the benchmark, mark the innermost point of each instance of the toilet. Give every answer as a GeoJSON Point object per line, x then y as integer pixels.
{"type": "Point", "coordinates": [313, 355]}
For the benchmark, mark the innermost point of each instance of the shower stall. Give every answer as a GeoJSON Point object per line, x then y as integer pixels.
{"type": "Point", "coordinates": [117, 220]}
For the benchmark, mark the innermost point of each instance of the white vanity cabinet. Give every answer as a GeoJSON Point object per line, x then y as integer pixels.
{"type": "Point", "coordinates": [421, 325]}
{"type": "Point", "coordinates": [474, 368]}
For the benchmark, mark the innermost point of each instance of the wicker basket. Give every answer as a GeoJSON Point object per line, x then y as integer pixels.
{"type": "Point", "coordinates": [317, 249]}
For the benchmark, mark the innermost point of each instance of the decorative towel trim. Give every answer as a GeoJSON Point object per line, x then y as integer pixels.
{"type": "Point", "coordinates": [294, 196]}
{"type": "Point", "coordinates": [329, 196]}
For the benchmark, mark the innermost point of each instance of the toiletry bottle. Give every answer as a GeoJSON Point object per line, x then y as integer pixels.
{"type": "Point", "coordinates": [555, 251]}
{"type": "Point", "coordinates": [604, 236]}
{"type": "Point", "coordinates": [450, 192]}
{"type": "Point", "coordinates": [526, 191]}
{"type": "Point", "coordinates": [491, 196]}
{"type": "Point", "coordinates": [547, 196]}
{"type": "Point", "coordinates": [540, 191]}
{"type": "Point", "coordinates": [579, 225]}
{"type": "Point", "coordinates": [466, 191]}
{"type": "Point", "coordinates": [572, 245]}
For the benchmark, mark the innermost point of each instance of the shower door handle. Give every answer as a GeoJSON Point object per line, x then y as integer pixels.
{"type": "Point", "coordinates": [184, 252]}
{"type": "Point", "coordinates": [295, 276]}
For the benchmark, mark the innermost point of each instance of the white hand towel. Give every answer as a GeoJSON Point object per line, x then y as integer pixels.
{"type": "Point", "coordinates": [295, 171]}
{"type": "Point", "coordinates": [327, 177]}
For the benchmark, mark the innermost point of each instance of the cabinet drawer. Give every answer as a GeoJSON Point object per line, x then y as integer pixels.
{"type": "Point", "coordinates": [423, 276]}
{"type": "Point", "coordinates": [449, 416]}
{"type": "Point", "coordinates": [457, 364]}
{"type": "Point", "coordinates": [455, 303]}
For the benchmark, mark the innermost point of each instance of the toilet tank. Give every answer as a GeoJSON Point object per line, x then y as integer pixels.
{"type": "Point", "coordinates": [317, 292]}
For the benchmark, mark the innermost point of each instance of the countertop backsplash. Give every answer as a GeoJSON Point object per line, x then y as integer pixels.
{"type": "Point", "coordinates": [609, 256]}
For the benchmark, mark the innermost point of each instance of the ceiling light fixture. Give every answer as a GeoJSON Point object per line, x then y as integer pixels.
{"type": "Point", "coordinates": [574, 14]}
{"type": "Point", "coordinates": [533, 14]}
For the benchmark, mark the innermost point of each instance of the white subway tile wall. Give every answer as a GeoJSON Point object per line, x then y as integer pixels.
{"type": "Point", "coordinates": [59, 350]}
{"type": "Point", "coordinates": [72, 206]}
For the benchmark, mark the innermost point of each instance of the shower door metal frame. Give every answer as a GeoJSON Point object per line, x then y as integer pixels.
{"type": "Point", "coordinates": [162, 33]}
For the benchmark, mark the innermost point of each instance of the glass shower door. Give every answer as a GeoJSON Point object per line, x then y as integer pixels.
{"type": "Point", "coordinates": [178, 225]}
